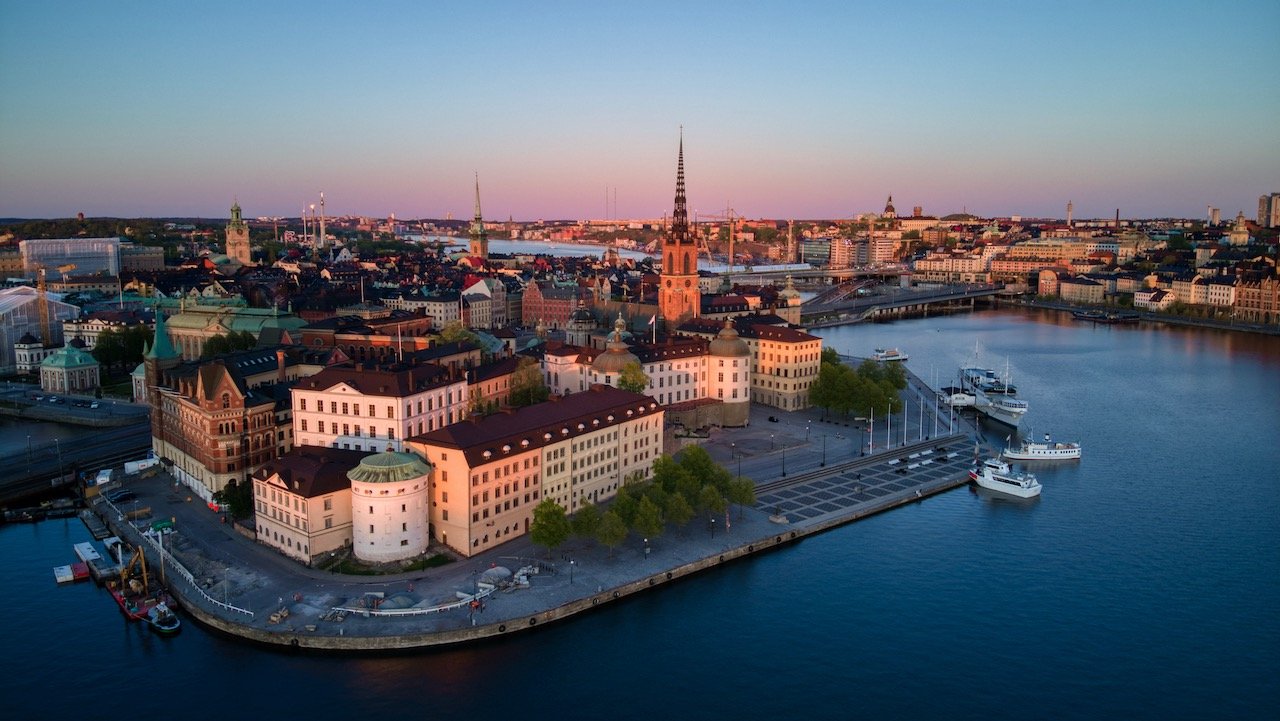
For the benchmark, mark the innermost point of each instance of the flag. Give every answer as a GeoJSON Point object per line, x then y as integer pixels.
{"type": "Point", "coordinates": [652, 318]}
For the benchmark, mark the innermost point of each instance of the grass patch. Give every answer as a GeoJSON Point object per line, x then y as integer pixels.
{"type": "Point", "coordinates": [354, 567]}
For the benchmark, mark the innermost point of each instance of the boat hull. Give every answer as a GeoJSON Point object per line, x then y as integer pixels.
{"type": "Point", "coordinates": [1050, 454]}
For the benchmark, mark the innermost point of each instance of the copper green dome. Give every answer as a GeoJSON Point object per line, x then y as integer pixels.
{"type": "Point", "coordinates": [389, 467]}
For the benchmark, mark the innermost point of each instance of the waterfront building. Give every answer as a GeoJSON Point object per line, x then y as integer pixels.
{"type": "Point", "coordinates": [302, 502]}
{"type": "Point", "coordinates": [679, 296]}
{"type": "Point", "coordinates": [20, 316]}
{"type": "Point", "coordinates": [1258, 301]}
{"type": "Point", "coordinates": [1078, 289]}
{"type": "Point", "coordinates": [389, 514]}
{"type": "Point", "coordinates": [1153, 299]}
{"type": "Point", "coordinates": [69, 369]}
{"type": "Point", "coordinates": [238, 249]}
{"type": "Point", "coordinates": [88, 255]}
{"type": "Point", "coordinates": [489, 473]}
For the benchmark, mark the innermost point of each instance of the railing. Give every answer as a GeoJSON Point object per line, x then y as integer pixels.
{"type": "Point", "coordinates": [482, 593]}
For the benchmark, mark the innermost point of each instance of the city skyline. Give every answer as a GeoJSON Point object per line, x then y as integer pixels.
{"type": "Point", "coordinates": [819, 111]}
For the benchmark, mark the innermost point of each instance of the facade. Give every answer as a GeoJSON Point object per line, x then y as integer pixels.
{"type": "Point", "coordinates": [679, 297]}
{"type": "Point", "coordinates": [548, 303]}
{"type": "Point", "coordinates": [29, 353]}
{"type": "Point", "coordinates": [88, 255]}
{"type": "Point", "coordinates": [302, 502]}
{"type": "Point", "coordinates": [389, 513]}
{"type": "Point", "coordinates": [1258, 301]}
{"type": "Point", "coordinates": [369, 407]}
{"type": "Point", "coordinates": [1269, 210]}
{"type": "Point", "coordinates": [784, 361]}
{"type": "Point", "coordinates": [238, 249]}
{"type": "Point", "coordinates": [91, 326]}
{"type": "Point", "coordinates": [1081, 290]}
{"type": "Point", "coordinates": [69, 370]}
{"type": "Point", "coordinates": [490, 473]}
{"type": "Point", "coordinates": [140, 258]}
{"type": "Point", "coordinates": [194, 324]}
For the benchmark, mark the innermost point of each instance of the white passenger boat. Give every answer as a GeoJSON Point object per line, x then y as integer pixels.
{"type": "Point", "coordinates": [1006, 409]}
{"type": "Point", "coordinates": [1030, 450]}
{"type": "Point", "coordinates": [996, 475]}
{"type": "Point", "coordinates": [957, 397]}
{"type": "Point", "coordinates": [889, 354]}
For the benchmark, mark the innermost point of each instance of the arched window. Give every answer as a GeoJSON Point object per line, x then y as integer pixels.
{"type": "Point", "coordinates": [686, 263]}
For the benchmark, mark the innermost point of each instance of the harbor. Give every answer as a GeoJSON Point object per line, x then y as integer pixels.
{"type": "Point", "coordinates": [884, 596]}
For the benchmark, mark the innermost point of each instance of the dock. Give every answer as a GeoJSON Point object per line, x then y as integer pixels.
{"type": "Point", "coordinates": [96, 527]}
{"type": "Point", "coordinates": [86, 552]}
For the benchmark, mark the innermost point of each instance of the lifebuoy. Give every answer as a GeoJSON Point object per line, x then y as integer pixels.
{"type": "Point", "coordinates": [533, 621]}
{"type": "Point", "coordinates": [651, 582]}
{"type": "Point", "coordinates": [668, 575]}
{"type": "Point", "coordinates": [594, 601]}
{"type": "Point", "coordinates": [779, 539]}
{"type": "Point", "coordinates": [751, 549]}
{"type": "Point", "coordinates": [502, 627]}
{"type": "Point", "coordinates": [722, 559]}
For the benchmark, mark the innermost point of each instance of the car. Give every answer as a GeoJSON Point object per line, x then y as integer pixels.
{"type": "Point", "coordinates": [93, 404]}
{"type": "Point", "coordinates": [37, 398]}
{"type": "Point", "coordinates": [121, 495]}
{"type": "Point", "coordinates": [53, 399]}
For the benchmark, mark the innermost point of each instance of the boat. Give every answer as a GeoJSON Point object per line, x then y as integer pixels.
{"type": "Point", "coordinates": [1029, 450]}
{"type": "Point", "coordinates": [1093, 315]}
{"type": "Point", "coordinates": [1002, 408]}
{"type": "Point", "coordinates": [1106, 317]}
{"type": "Point", "coordinates": [885, 355]}
{"type": "Point", "coordinates": [996, 475]}
{"type": "Point", "coordinates": [163, 620]}
{"type": "Point", "coordinates": [957, 397]}
{"type": "Point", "coordinates": [131, 594]}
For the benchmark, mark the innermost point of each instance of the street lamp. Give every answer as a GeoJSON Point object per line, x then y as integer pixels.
{"type": "Point", "coordinates": [784, 461]}
{"type": "Point", "coordinates": [646, 549]}
{"type": "Point", "coordinates": [773, 445]}
{"type": "Point", "coordinates": [806, 431]}
{"type": "Point", "coordinates": [571, 565]}
{"type": "Point", "coordinates": [824, 450]}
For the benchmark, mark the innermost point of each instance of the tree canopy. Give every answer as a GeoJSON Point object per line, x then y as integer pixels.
{"type": "Point", "coordinates": [550, 527]}
{"type": "Point", "coordinates": [231, 342]}
{"type": "Point", "coordinates": [527, 385]}
{"type": "Point", "coordinates": [632, 378]}
{"type": "Point", "coordinates": [871, 387]}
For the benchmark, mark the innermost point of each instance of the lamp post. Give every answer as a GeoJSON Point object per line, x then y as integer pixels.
{"type": "Point", "coordinates": [784, 461]}
{"type": "Point", "coordinates": [571, 565]}
{"type": "Point", "coordinates": [773, 444]}
{"type": "Point", "coordinates": [806, 431]}
{"type": "Point", "coordinates": [646, 549]}
{"type": "Point", "coordinates": [824, 451]}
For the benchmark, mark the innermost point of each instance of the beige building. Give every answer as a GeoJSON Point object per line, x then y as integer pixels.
{"type": "Point", "coordinates": [784, 361]}
{"type": "Point", "coordinates": [302, 502]}
{"type": "Point", "coordinates": [69, 370]}
{"type": "Point", "coordinates": [490, 473]}
{"type": "Point", "coordinates": [389, 518]}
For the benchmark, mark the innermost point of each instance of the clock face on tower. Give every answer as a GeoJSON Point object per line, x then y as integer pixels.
{"type": "Point", "coordinates": [668, 284]}
{"type": "Point", "coordinates": [686, 283]}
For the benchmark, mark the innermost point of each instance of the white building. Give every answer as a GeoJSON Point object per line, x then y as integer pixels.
{"type": "Point", "coordinates": [88, 255]}
{"type": "Point", "coordinates": [389, 512]}
{"type": "Point", "coordinates": [20, 316]}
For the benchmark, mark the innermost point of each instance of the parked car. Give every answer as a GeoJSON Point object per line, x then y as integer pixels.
{"type": "Point", "coordinates": [93, 404]}
{"type": "Point", "coordinates": [121, 495]}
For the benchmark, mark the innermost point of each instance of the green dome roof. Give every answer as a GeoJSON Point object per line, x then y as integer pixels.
{"type": "Point", "coordinates": [69, 357]}
{"type": "Point", "coordinates": [389, 467]}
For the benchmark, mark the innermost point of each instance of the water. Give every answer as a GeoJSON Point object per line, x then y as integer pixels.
{"type": "Point", "coordinates": [1142, 584]}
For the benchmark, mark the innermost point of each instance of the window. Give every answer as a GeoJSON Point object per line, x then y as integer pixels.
{"type": "Point", "coordinates": [344, 409]}
{"type": "Point", "coordinates": [445, 515]}
{"type": "Point", "coordinates": [404, 527]}
{"type": "Point", "coordinates": [304, 424]}
{"type": "Point", "coordinates": [371, 413]}
{"type": "Point", "coordinates": [391, 412]}
{"type": "Point", "coordinates": [303, 404]}
{"type": "Point", "coordinates": [370, 528]}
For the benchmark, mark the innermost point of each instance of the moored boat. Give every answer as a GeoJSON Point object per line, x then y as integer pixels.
{"type": "Point", "coordinates": [163, 620]}
{"type": "Point", "coordinates": [1029, 450]}
{"type": "Point", "coordinates": [996, 475]}
{"type": "Point", "coordinates": [1002, 408]}
{"type": "Point", "coordinates": [957, 397]}
{"type": "Point", "coordinates": [885, 355]}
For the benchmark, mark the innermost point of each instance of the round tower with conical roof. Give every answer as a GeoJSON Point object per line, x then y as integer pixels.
{"type": "Point", "coordinates": [730, 376]}
{"type": "Point", "coordinates": [389, 513]}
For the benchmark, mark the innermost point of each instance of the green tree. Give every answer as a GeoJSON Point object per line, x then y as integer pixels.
{"type": "Point", "coordinates": [648, 519]}
{"type": "Point", "coordinates": [698, 463]}
{"type": "Point", "coordinates": [678, 510]}
{"type": "Point", "coordinates": [586, 521]}
{"type": "Point", "coordinates": [742, 492]}
{"type": "Point", "coordinates": [632, 378]}
{"type": "Point", "coordinates": [455, 332]}
{"type": "Point", "coordinates": [550, 527]}
{"type": "Point", "coordinates": [612, 531]}
{"type": "Point", "coordinates": [626, 503]}
{"type": "Point", "coordinates": [710, 500]}
{"type": "Point", "coordinates": [238, 497]}
{"type": "Point", "coordinates": [109, 349]}
{"type": "Point", "coordinates": [829, 355]}
{"type": "Point", "coordinates": [527, 385]}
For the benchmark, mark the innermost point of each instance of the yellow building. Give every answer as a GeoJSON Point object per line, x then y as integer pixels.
{"type": "Point", "coordinates": [302, 502]}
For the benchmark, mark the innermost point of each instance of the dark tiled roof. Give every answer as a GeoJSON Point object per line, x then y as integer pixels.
{"type": "Point", "coordinates": [673, 349]}
{"type": "Point", "coordinates": [542, 424]}
{"type": "Point", "coordinates": [394, 381]}
{"type": "Point", "coordinates": [311, 471]}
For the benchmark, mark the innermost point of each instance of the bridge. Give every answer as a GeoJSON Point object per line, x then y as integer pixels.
{"type": "Point", "coordinates": [765, 275]}
{"type": "Point", "coordinates": [54, 465]}
{"type": "Point", "coordinates": [852, 306]}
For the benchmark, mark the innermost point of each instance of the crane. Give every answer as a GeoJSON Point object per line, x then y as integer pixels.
{"type": "Point", "coordinates": [46, 324]}
{"type": "Point", "coordinates": [732, 216]}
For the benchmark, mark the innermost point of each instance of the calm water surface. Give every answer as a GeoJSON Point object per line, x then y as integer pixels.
{"type": "Point", "coordinates": [1144, 582]}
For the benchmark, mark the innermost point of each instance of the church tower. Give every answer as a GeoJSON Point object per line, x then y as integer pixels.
{"type": "Point", "coordinates": [479, 238]}
{"type": "Point", "coordinates": [679, 298]}
{"type": "Point", "coordinates": [238, 238]}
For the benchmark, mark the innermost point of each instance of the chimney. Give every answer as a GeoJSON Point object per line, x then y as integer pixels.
{"type": "Point", "coordinates": [280, 365]}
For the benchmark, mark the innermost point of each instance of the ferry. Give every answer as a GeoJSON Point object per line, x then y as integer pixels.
{"type": "Point", "coordinates": [995, 475]}
{"type": "Point", "coordinates": [1002, 408]}
{"type": "Point", "coordinates": [1029, 450]}
{"type": "Point", "coordinates": [885, 355]}
{"type": "Point", "coordinates": [957, 397]}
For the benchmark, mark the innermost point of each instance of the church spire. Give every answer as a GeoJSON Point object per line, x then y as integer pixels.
{"type": "Point", "coordinates": [680, 218]}
{"type": "Point", "coordinates": [161, 348]}
{"type": "Point", "coordinates": [479, 238]}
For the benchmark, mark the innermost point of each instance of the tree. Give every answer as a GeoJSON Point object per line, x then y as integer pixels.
{"type": "Point", "coordinates": [742, 492]}
{"type": "Point", "coordinates": [612, 531]}
{"type": "Point", "coordinates": [648, 519]}
{"type": "Point", "coordinates": [455, 332]}
{"type": "Point", "coordinates": [678, 510]}
{"type": "Point", "coordinates": [238, 497]}
{"type": "Point", "coordinates": [109, 348]}
{"type": "Point", "coordinates": [632, 378]}
{"type": "Point", "coordinates": [710, 500]}
{"type": "Point", "coordinates": [527, 385]}
{"type": "Point", "coordinates": [550, 527]}
{"type": "Point", "coordinates": [586, 521]}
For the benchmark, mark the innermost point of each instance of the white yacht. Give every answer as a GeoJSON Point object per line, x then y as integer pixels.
{"type": "Point", "coordinates": [996, 475]}
{"type": "Point", "coordinates": [957, 397]}
{"type": "Point", "coordinates": [1006, 409]}
{"type": "Point", "coordinates": [1030, 450]}
{"type": "Point", "coordinates": [889, 354]}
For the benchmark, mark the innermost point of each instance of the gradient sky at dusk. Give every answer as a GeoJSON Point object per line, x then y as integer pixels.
{"type": "Point", "coordinates": [790, 109]}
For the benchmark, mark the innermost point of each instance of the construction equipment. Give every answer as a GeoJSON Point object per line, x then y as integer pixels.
{"type": "Point", "coordinates": [128, 578]}
{"type": "Point", "coordinates": [42, 300]}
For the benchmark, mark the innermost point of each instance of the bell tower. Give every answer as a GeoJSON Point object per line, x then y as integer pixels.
{"type": "Point", "coordinates": [679, 298]}
{"type": "Point", "coordinates": [479, 238]}
{"type": "Point", "coordinates": [238, 237]}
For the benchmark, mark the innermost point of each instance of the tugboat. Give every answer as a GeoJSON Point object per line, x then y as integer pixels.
{"type": "Point", "coordinates": [163, 620]}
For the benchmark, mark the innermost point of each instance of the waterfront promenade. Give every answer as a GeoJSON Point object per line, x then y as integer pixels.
{"type": "Point", "coordinates": [229, 582]}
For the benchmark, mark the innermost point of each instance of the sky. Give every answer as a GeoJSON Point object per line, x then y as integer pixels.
{"type": "Point", "coordinates": [789, 109]}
